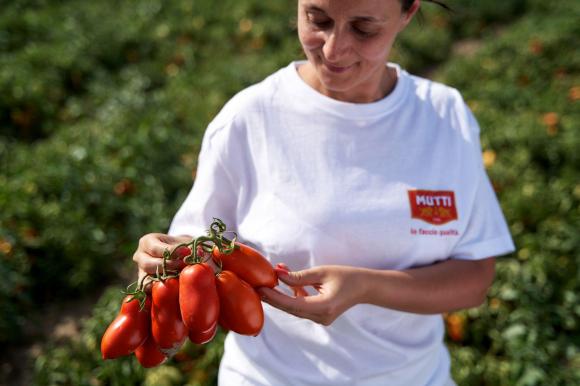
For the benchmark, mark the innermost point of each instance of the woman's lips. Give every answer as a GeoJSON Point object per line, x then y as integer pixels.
{"type": "Point", "coordinates": [336, 69]}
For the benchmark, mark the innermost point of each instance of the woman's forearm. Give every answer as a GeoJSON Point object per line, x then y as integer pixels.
{"type": "Point", "coordinates": [442, 287]}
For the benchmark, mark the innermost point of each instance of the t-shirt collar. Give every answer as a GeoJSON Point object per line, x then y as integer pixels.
{"type": "Point", "coordinates": [349, 110]}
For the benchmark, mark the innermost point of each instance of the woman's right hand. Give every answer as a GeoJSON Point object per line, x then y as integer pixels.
{"type": "Point", "coordinates": [149, 253]}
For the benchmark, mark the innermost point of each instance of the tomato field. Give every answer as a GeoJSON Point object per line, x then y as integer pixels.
{"type": "Point", "coordinates": [102, 109]}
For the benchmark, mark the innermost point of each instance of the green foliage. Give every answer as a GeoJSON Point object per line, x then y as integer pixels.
{"type": "Point", "coordinates": [75, 205]}
{"type": "Point", "coordinates": [111, 157]}
{"type": "Point", "coordinates": [102, 108]}
{"type": "Point", "coordinates": [525, 102]}
{"type": "Point", "coordinates": [429, 41]}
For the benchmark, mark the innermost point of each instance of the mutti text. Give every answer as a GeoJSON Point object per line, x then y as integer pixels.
{"type": "Point", "coordinates": [425, 200]}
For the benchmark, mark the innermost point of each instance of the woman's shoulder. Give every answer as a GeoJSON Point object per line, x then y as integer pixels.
{"type": "Point", "coordinates": [434, 92]}
{"type": "Point", "coordinates": [443, 103]}
{"type": "Point", "coordinates": [256, 96]}
{"type": "Point", "coordinates": [445, 100]}
{"type": "Point", "coordinates": [247, 103]}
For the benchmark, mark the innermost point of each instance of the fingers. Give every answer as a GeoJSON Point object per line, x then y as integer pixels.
{"type": "Point", "coordinates": [154, 244]}
{"type": "Point", "coordinates": [146, 282]}
{"type": "Point", "coordinates": [299, 291]}
{"type": "Point", "coordinates": [294, 305]}
{"type": "Point", "coordinates": [314, 308]}
{"type": "Point", "coordinates": [283, 266]}
{"type": "Point", "coordinates": [147, 263]}
{"type": "Point", "coordinates": [283, 270]}
{"type": "Point", "coordinates": [306, 277]}
{"type": "Point", "coordinates": [149, 253]}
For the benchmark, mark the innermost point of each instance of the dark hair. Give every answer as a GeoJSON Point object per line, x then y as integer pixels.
{"type": "Point", "coordinates": [408, 3]}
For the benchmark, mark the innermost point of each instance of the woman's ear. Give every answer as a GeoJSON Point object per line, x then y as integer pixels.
{"type": "Point", "coordinates": [408, 15]}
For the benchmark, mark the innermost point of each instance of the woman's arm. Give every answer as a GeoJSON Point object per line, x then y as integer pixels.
{"type": "Point", "coordinates": [442, 287]}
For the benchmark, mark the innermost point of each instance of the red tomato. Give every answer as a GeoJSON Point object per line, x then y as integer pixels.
{"type": "Point", "coordinates": [181, 253]}
{"type": "Point", "coordinates": [240, 305]}
{"type": "Point", "coordinates": [223, 324]}
{"type": "Point", "coordinates": [203, 337]}
{"type": "Point", "coordinates": [198, 297]}
{"type": "Point", "coordinates": [128, 331]}
{"type": "Point", "coordinates": [167, 328]}
{"type": "Point", "coordinates": [148, 354]}
{"type": "Point", "coordinates": [248, 264]}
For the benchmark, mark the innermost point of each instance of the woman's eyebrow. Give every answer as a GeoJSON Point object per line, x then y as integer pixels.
{"type": "Point", "coordinates": [314, 8]}
{"type": "Point", "coordinates": [370, 19]}
{"type": "Point", "coordinates": [364, 19]}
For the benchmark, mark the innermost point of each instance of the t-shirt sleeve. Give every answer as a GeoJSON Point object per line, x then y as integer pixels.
{"type": "Point", "coordinates": [486, 234]}
{"type": "Point", "coordinates": [213, 194]}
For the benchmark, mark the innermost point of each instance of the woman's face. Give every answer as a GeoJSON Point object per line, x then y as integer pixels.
{"type": "Point", "coordinates": [347, 43]}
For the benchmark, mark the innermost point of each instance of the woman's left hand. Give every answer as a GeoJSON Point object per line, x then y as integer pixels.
{"type": "Point", "coordinates": [338, 287]}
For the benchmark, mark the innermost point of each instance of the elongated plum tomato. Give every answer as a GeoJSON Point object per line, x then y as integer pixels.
{"type": "Point", "coordinates": [198, 297]}
{"type": "Point", "coordinates": [128, 331]}
{"type": "Point", "coordinates": [248, 264]}
{"type": "Point", "coordinates": [149, 354]}
{"type": "Point", "coordinates": [167, 328]}
{"type": "Point", "coordinates": [240, 305]}
{"type": "Point", "coordinates": [203, 337]}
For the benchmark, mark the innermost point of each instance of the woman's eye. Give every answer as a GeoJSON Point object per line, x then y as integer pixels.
{"type": "Point", "coordinates": [362, 32]}
{"type": "Point", "coordinates": [323, 24]}
{"type": "Point", "coordinates": [319, 21]}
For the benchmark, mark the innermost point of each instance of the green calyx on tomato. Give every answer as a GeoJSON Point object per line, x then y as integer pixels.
{"type": "Point", "coordinates": [245, 261]}
{"type": "Point", "coordinates": [138, 293]}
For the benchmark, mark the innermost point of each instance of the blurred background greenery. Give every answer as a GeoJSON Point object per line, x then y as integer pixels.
{"type": "Point", "coordinates": [102, 107]}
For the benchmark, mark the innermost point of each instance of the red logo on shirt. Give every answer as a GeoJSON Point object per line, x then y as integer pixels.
{"type": "Point", "coordinates": [436, 207]}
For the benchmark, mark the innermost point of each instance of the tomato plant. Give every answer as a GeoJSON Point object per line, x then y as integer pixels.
{"type": "Point", "coordinates": [167, 328]}
{"type": "Point", "coordinates": [248, 264]}
{"type": "Point", "coordinates": [128, 330]}
{"type": "Point", "coordinates": [240, 305]}
{"type": "Point", "coordinates": [198, 297]}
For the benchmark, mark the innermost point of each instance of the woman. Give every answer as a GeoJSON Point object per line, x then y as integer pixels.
{"type": "Point", "coordinates": [368, 183]}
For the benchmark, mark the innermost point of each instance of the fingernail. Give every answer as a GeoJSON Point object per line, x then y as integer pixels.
{"type": "Point", "coordinates": [281, 271]}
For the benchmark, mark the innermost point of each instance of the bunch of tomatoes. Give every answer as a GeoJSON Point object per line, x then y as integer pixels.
{"type": "Point", "coordinates": [214, 285]}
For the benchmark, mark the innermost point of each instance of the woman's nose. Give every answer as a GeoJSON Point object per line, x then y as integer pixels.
{"type": "Point", "coordinates": [336, 46]}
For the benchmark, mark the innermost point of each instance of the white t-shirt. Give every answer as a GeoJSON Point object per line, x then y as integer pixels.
{"type": "Point", "coordinates": [309, 180]}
